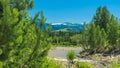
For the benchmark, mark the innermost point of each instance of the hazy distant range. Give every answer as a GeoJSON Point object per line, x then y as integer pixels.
{"type": "Point", "coordinates": [64, 26]}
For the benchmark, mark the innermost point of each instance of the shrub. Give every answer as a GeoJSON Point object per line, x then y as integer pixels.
{"type": "Point", "coordinates": [51, 64]}
{"type": "Point", "coordinates": [83, 65]}
{"type": "Point", "coordinates": [71, 56]}
{"type": "Point", "coordinates": [115, 65]}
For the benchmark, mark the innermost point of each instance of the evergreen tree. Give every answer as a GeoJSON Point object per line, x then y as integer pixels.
{"type": "Point", "coordinates": [22, 4]}
{"type": "Point", "coordinates": [1, 10]}
{"type": "Point", "coordinates": [96, 39]}
{"type": "Point", "coordinates": [102, 17]}
{"type": "Point", "coordinates": [23, 44]}
{"type": "Point", "coordinates": [118, 40]}
{"type": "Point", "coordinates": [103, 39]}
{"type": "Point", "coordinates": [112, 31]}
{"type": "Point", "coordinates": [76, 39]}
{"type": "Point", "coordinates": [7, 33]}
{"type": "Point", "coordinates": [92, 36]}
{"type": "Point", "coordinates": [85, 36]}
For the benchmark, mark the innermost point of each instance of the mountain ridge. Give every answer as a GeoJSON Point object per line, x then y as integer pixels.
{"type": "Point", "coordinates": [64, 26]}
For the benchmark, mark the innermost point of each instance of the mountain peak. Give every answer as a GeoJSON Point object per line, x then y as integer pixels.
{"type": "Point", "coordinates": [58, 23]}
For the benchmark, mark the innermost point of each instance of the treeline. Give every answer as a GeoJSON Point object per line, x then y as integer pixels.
{"type": "Point", "coordinates": [102, 34]}
{"type": "Point", "coordinates": [61, 38]}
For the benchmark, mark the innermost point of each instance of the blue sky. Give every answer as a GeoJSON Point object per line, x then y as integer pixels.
{"type": "Point", "coordinates": [75, 11]}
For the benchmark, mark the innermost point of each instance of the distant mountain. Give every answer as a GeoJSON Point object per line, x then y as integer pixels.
{"type": "Point", "coordinates": [66, 27]}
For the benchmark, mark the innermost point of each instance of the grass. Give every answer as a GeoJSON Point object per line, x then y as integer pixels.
{"type": "Point", "coordinates": [115, 65]}
{"type": "Point", "coordinates": [83, 65]}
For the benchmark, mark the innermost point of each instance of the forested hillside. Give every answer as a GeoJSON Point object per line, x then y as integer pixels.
{"type": "Point", "coordinates": [64, 27]}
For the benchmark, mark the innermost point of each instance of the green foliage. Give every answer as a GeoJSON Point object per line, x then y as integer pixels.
{"type": "Point", "coordinates": [76, 38]}
{"type": "Point", "coordinates": [114, 65]}
{"type": "Point", "coordinates": [102, 17]}
{"type": "Point", "coordinates": [50, 64]}
{"type": "Point", "coordinates": [102, 34]}
{"type": "Point", "coordinates": [71, 56]}
{"type": "Point", "coordinates": [44, 63]}
{"type": "Point", "coordinates": [22, 4]}
{"type": "Point", "coordinates": [62, 38]}
{"type": "Point", "coordinates": [94, 39]}
{"type": "Point", "coordinates": [1, 65]}
{"type": "Point", "coordinates": [85, 36]}
{"type": "Point", "coordinates": [1, 9]}
{"type": "Point", "coordinates": [83, 65]}
{"type": "Point", "coordinates": [112, 31]}
{"type": "Point", "coordinates": [92, 35]}
{"type": "Point", "coordinates": [7, 33]}
{"type": "Point", "coordinates": [22, 43]}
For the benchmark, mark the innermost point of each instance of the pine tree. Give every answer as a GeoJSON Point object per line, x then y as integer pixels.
{"type": "Point", "coordinates": [22, 43]}
{"type": "Point", "coordinates": [103, 38]}
{"type": "Point", "coordinates": [76, 39]}
{"type": "Point", "coordinates": [10, 17]}
{"type": "Point", "coordinates": [112, 31]}
{"type": "Point", "coordinates": [118, 40]}
{"type": "Point", "coordinates": [22, 4]}
{"type": "Point", "coordinates": [92, 36]}
{"type": "Point", "coordinates": [85, 36]}
{"type": "Point", "coordinates": [102, 17]}
{"type": "Point", "coordinates": [1, 10]}
{"type": "Point", "coordinates": [97, 39]}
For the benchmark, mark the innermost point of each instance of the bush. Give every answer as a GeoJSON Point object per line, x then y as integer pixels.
{"type": "Point", "coordinates": [83, 65]}
{"type": "Point", "coordinates": [50, 64]}
{"type": "Point", "coordinates": [71, 56]}
{"type": "Point", "coordinates": [1, 65]}
{"type": "Point", "coordinates": [115, 65]}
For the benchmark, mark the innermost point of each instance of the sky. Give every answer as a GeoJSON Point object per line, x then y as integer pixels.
{"type": "Point", "coordinates": [74, 11]}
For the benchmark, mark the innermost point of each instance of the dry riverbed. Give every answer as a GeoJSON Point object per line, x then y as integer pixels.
{"type": "Point", "coordinates": [61, 52]}
{"type": "Point", "coordinates": [98, 60]}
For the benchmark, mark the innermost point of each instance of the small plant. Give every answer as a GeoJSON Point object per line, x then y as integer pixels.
{"type": "Point", "coordinates": [71, 56]}
{"type": "Point", "coordinates": [51, 64]}
{"type": "Point", "coordinates": [115, 65]}
{"type": "Point", "coordinates": [83, 65]}
{"type": "Point", "coordinates": [1, 65]}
